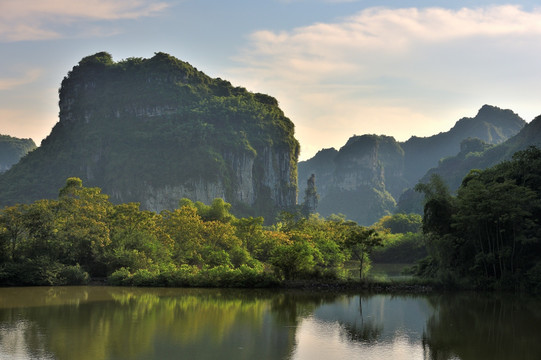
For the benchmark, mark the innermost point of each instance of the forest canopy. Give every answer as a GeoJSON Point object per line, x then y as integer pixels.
{"type": "Point", "coordinates": [82, 235]}
{"type": "Point", "coordinates": [489, 234]}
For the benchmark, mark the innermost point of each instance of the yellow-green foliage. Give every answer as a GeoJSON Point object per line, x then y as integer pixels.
{"type": "Point", "coordinates": [82, 233]}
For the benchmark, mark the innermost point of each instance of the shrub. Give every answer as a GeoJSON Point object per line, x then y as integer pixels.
{"type": "Point", "coordinates": [120, 277]}
{"type": "Point", "coordinates": [144, 277]}
{"type": "Point", "coordinates": [73, 275]}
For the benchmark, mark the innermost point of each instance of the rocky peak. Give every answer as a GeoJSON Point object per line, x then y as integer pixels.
{"type": "Point", "coordinates": [156, 130]}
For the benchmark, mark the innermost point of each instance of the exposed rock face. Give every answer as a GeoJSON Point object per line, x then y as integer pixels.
{"type": "Point", "coordinates": [352, 181]}
{"type": "Point", "coordinates": [364, 178]}
{"type": "Point", "coordinates": [166, 197]}
{"type": "Point", "coordinates": [276, 170]}
{"type": "Point", "coordinates": [157, 130]}
{"type": "Point", "coordinates": [243, 177]}
{"type": "Point", "coordinates": [311, 197]}
{"type": "Point", "coordinates": [369, 160]}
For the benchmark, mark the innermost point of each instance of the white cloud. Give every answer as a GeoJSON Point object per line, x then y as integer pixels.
{"type": "Point", "coordinates": [396, 71]}
{"type": "Point", "coordinates": [28, 77]}
{"type": "Point", "coordinates": [39, 20]}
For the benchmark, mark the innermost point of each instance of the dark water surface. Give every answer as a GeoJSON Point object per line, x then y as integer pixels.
{"type": "Point", "coordinates": [135, 323]}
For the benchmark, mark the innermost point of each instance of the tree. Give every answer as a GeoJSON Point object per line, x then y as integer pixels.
{"type": "Point", "coordinates": [438, 206]}
{"type": "Point", "coordinates": [11, 231]}
{"type": "Point", "coordinates": [137, 240]}
{"type": "Point", "coordinates": [82, 225]}
{"type": "Point", "coordinates": [496, 216]}
{"type": "Point", "coordinates": [185, 227]}
{"type": "Point", "coordinates": [401, 223]}
{"type": "Point", "coordinates": [294, 259]}
{"type": "Point", "coordinates": [488, 235]}
{"type": "Point", "coordinates": [218, 210]}
{"type": "Point", "coordinates": [360, 242]}
{"type": "Point", "coordinates": [250, 231]}
{"type": "Point", "coordinates": [40, 239]}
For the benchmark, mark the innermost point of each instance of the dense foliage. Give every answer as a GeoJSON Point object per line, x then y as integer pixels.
{"type": "Point", "coordinates": [82, 235]}
{"type": "Point", "coordinates": [403, 241]}
{"type": "Point", "coordinates": [489, 234]}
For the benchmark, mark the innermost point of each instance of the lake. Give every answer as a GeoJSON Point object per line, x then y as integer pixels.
{"type": "Point", "coordinates": [92, 322]}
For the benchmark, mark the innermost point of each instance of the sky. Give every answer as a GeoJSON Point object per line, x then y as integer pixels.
{"type": "Point", "coordinates": [338, 68]}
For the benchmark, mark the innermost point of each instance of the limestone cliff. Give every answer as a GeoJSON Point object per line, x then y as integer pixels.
{"type": "Point", "coordinates": [156, 130]}
{"type": "Point", "coordinates": [365, 178]}
{"type": "Point", "coordinates": [351, 181]}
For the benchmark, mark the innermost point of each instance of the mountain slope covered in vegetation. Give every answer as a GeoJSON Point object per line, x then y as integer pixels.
{"type": "Point", "coordinates": [157, 130]}
{"type": "Point", "coordinates": [474, 154]}
{"type": "Point", "coordinates": [12, 149]}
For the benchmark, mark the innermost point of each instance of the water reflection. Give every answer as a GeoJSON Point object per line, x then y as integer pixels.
{"type": "Point", "coordinates": [131, 323]}
{"type": "Point", "coordinates": [367, 327]}
{"type": "Point", "coordinates": [494, 326]}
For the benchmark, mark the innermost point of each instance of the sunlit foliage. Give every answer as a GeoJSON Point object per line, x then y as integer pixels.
{"type": "Point", "coordinates": [82, 235]}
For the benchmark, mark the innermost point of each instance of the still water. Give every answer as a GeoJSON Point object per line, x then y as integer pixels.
{"type": "Point", "coordinates": [88, 322]}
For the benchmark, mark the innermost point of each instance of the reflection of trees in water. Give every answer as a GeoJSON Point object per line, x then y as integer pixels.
{"type": "Point", "coordinates": [484, 326]}
{"type": "Point", "coordinates": [128, 323]}
{"type": "Point", "coordinates": [367, 332]}
{"type": "Point", "coordinates": [288, 307]}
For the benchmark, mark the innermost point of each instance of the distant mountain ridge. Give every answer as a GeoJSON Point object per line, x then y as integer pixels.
{"type": "Point", "coordinates": [157, 130]}
{"type": "Point", "coordinates": [12, 149]}
{"type": "Point", "coordinates": [473, 156]}
{"type": "Point", "coordinates": [368, 174]}
{"type": "Point", "coordinates": [491, 124]}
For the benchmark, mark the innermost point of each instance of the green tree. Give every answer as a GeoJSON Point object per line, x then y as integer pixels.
{"type": "Point", "coordinates": [81, 225]}
{"type": "Point", "coordinates": [360, 242]}
{"type": "Point", "coordinates": [401, 223]}
{"type": "Point", "coordinates": [219, 210]}
{"type": "Point", "coordinates": [293, 260]}
{"type": "Point", "coordinates": [185, 227]}
{"type": "Point", "coordinates": [488, 235]}
{"type": "Point", "coordinates": [137, 240]}
{"type": "Point", "coordinates": [251, 233]}
{"type": "Point", "coordinates": [496, 217]}
{"type": "Point", "coordinates": [438, 206]}
{"type": "Point", "coordinates": [11, 232]}
{"type": "Point", "coordinates": [40, 237]}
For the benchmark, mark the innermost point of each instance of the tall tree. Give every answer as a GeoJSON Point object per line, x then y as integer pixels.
{"type": "Point", "coordinates": [361, 241]}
